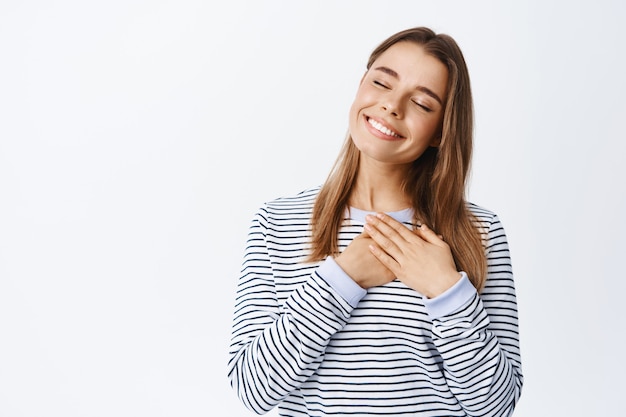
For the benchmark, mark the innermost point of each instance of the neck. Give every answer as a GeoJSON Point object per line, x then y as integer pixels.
{"type": "Point", "coordinates": [380, 188]}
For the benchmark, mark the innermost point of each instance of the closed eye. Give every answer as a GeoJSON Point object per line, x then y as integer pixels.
{"type": "Point", "coordinates": [378, 83]}
{"type": "Point", "coordinates": [423, 107]}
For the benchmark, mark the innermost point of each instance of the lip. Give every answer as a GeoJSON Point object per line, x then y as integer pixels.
{"type": "Point", "coordinates": [378, 133]}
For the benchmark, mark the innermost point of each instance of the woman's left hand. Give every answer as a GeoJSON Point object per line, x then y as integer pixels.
{"type": "Point", "coordinates": [420, 258]}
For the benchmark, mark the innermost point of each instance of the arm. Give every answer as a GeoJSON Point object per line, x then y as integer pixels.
{"type": "Point", "coordinates": [478, 338]}
{"type": "Point", "coordinates": [476, 335]}
{"type": "Point", "coordinates": [275, 348]}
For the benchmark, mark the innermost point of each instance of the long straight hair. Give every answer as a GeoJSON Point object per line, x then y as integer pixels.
{"type": "Point", "coordinates": [436, 181]}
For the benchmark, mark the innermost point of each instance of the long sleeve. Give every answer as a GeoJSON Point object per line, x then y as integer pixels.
{"type": "Point", "coordinates": [479, 341]}
{"type": "Point", "coordinates": [276, 346]}
{"type": "Point", "coordinates": [307, 339]}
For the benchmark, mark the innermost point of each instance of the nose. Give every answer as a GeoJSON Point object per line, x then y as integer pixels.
{"type": "Point", "coordinates": [392, 106]}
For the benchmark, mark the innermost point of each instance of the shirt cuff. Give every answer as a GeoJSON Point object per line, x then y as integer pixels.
{"type": "Point", "coordinates": [341, 282]}
{"type": "Point", "coordinates": [450, 300]}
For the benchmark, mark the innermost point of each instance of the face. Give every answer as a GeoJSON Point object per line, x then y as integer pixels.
{"type": "Point", "coordinates": [397, 112]}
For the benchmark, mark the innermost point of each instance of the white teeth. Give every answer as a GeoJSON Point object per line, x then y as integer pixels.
{"type": "Point", "coordinates": [382, 128]}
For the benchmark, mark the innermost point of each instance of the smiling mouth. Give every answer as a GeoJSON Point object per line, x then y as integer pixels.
{"type": "Point", "coordinates": [382, 129]}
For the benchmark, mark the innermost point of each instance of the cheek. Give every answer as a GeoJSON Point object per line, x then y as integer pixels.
{"type": "Point", "coordinates": [425, 129]}
{"type": "Point", "coordinates": [362, 100]}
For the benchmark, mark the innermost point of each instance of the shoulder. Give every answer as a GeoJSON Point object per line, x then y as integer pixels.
{"type": "Point", "coordinates": [486, 220]}
{"type": "Point", "coordinates": [295, 206]}
{"type": "Point", "coordinates": [303, 198]}
{"type": "Point", "coordinates": [481, 214]}
{"type": "Point", "coordinates": [489, 225]}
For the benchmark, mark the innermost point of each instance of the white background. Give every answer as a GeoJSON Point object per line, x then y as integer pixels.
{"type": "Point", "coordinates": [137, 138]}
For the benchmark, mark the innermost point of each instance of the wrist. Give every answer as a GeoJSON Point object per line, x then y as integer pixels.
{"type": "Point", "coordinates": [443, 284]}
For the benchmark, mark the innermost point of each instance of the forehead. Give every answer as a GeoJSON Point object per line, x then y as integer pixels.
{"type": "Point", "coordinates": [414, 66]}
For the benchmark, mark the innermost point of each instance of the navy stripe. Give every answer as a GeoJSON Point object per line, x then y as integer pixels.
{"type": "Point", "coordinates": [298, 345]}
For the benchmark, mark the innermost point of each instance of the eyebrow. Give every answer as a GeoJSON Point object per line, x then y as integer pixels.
{"type": "Point", "coordinates": [421, 88]}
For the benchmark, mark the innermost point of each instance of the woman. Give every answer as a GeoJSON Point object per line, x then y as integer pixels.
{"type": "Point", "coordinates": [384, 292]}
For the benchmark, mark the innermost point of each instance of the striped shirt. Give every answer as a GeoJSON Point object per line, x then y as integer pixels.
{"type": "Point", "coordinates": [309, 340]}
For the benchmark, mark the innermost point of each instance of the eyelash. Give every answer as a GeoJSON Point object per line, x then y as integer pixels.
{"type": "Point", "coordinates": [426, 109]}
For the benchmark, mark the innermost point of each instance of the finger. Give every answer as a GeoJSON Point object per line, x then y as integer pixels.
{"type": "Point", "coordinates": [429, 235]}
{"type": "Point", "coordinates": [386, 259]}
{"type": "Point", "coordinates": [389, 226]}
{"type": "Point", "coordinates": [385, 242]}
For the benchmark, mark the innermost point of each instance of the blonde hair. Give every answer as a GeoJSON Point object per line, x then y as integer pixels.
{"type": "Point", "coordinates": [436, 180]}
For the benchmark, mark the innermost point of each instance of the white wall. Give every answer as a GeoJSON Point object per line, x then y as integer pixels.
{"type": "Point", "coordinates": [138, 137]}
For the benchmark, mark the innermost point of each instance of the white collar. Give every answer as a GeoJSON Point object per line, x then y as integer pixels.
{"type": "Point", "coordinates": [403, 216]}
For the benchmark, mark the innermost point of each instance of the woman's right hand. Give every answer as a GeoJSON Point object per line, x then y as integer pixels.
{"type": "Point", "coordinates": [361, 265]}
